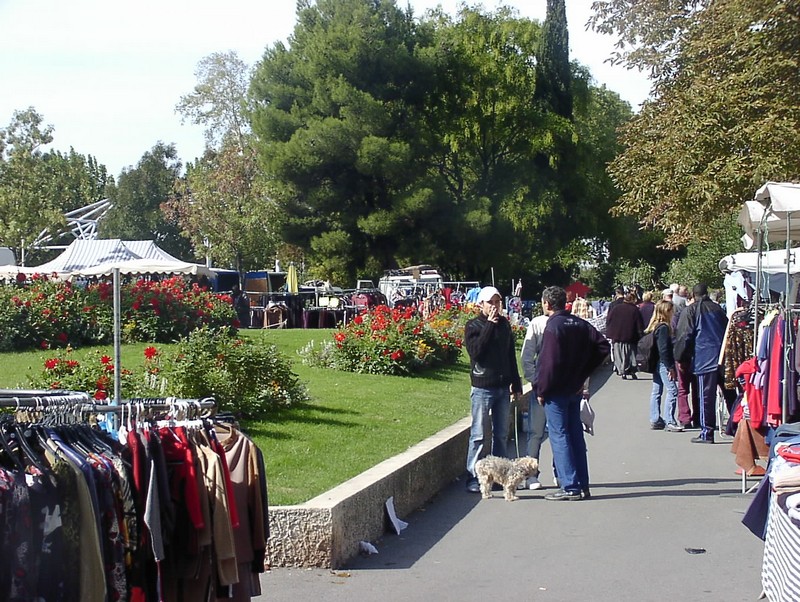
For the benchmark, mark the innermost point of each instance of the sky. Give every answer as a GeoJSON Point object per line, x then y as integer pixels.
{"type": "Point", "coordinates": [108, 75]}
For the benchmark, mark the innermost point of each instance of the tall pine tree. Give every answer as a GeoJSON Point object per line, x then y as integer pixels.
{"type": "Point", "coordinates": [553, 76]}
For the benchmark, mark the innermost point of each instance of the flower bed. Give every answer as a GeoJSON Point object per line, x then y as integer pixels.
{"type": "Point", "coordinates": [244, 378]}
{"type": "Point", "coordinates": [48, 314]}
{"type": "Point", "coordinates": [392, 341]}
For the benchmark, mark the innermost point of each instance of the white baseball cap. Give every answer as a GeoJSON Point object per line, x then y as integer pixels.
{"type": "Point", "coordinates": [487, 294]}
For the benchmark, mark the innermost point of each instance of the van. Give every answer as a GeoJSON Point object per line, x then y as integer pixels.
{"type": "Point", "coordinates": [7, 256]}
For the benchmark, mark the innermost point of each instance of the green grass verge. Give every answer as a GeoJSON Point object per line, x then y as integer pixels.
{"type": "Point", "coordinates": [351, 423]}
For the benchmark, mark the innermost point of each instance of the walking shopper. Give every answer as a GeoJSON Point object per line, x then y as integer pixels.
{"type": "Point", "coordinates": [571, 349]}
{"type": "Point", "coordinates": [698, 340]}
{"type": "Point", "coordinates": [664, 376]}
{"type": "Point", "coordinates": [494, 376]}
{"type": "Point", "coordinates": [624, 327]}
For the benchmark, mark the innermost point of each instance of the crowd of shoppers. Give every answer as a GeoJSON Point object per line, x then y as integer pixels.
{"type": "Point", "coordinates": [560, 351]}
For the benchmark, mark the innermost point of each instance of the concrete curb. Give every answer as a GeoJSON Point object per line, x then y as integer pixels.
{"type": "Point", "coordinates": [325, 531]}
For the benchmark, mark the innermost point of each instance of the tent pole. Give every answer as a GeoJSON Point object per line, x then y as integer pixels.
{"type": "Point", "coordinates": [758, 290]}
{"type": "Point", "coordinates": [117, 350]}
{"type": "Point", "coordinates": [787, 322]}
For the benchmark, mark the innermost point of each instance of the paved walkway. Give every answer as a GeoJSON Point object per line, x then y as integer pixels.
{"type": "Point", "coordinates": [654, 495]}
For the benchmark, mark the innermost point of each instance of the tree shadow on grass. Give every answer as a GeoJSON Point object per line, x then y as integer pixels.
{"type": "Point", "coordinates": [300, 413]}
{"type": "Point", "coordinates": [444, 372]}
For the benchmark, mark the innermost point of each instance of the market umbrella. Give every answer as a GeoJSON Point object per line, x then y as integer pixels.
{"type": "Point", "coordinates": [291, 279]}
{"type": "Point", "coordinates": [579, 289]}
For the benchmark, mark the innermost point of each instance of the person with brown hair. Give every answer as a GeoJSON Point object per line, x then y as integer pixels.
{"type": "Point", "coordinates": [664, 376]}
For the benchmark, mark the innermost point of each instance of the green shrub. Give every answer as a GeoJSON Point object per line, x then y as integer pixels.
{"type": "Point", "coordinates": [163, 311]}
{"type": "Point", "coordinates": [94, 375]}
{"type": "Point", "coordinates": [47, 314]}
{"type": "Point", "coordinates": [245, 378]}
{"type": "Point", "coordinates": [391, 341]}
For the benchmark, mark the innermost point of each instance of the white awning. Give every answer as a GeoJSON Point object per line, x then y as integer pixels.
{"type": "Point", "coordinates": [145, 266]}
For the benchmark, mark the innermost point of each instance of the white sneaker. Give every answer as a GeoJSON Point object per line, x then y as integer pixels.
{"type": "Point", "coordinates": [533, 483]}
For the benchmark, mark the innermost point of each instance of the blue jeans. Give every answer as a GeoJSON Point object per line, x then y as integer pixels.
{"type": "Point", "coordinates": [485, 402]}
{"type": "Point", "coordinates": [660, 382]}
{"type": "Point", "coordinates": [566, 440]}
{"type": "Point", "coordinates": [537, 428]}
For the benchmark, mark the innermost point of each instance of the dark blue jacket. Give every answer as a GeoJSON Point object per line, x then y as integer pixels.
{"type": "Point", "coordinates": [663, 340]}
{"type": "Point", "coordinates": [701, 329]}
{"type": "Point", "coordinates": [571, 350]}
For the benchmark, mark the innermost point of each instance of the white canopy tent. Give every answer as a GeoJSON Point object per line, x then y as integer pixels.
{"type": "Point", "coordinates": [773, 216]}
{"type": "Point", "coordinates": [145, 266]}
{"type": "Point", "coordinates": [82, 254]}
{"type": "Point", "coordinates": [771, 264]}
{"type": "Point", "coordinates": [769, 214]}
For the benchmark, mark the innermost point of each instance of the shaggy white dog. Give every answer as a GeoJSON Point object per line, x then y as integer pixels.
{"type": "Point", "coordinates": [505, 472]}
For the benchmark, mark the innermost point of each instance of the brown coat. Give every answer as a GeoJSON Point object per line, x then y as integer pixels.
{"type": "Point", "coordinates": [624, 323]}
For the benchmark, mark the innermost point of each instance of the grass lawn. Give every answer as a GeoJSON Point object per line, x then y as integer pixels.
{"type": "Point", "coordinates": [351, 423]}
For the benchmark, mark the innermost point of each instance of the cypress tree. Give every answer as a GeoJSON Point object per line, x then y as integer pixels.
{"type": "Point", "coordinates": [553, 78]}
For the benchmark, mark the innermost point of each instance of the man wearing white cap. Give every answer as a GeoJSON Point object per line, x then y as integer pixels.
{"type": "Point", "coordinates": [494, 377]}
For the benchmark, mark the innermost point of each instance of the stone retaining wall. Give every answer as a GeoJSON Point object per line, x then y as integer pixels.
{"type": "Point", "coordinates": [326, 530]}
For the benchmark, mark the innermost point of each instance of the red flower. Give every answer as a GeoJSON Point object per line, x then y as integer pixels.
{"type": "Point", "coordinates": [340, 337]}
{"type": "Point", "coordinates": [51, 363]}
{"type": "Point", "coordinates": [62, 337]}
{"type": "Point", "coordinates": [99, 394]}
{"type": "Point", "coordinates": [150, 352]}
{"type": "Point", "coordinates": [105, 360]}
{"type": "Point", "coordinates": [358, 320]}
{"type": "Point", "coordinates": [397, 355]}
{"type": "Point", "coordinates": [44, 345]}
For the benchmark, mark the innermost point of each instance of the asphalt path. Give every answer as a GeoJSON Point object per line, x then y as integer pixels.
{"type": "Point", "coordinates": [664, 523]}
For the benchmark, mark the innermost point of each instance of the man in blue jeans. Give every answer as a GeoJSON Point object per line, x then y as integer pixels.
{"type": "Point", "coordinates": [571, 350]}
{"type": "Point", "coordinates": [494, 376]}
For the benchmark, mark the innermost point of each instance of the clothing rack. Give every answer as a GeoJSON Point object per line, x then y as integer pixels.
{"type": "Point", "coordinates": [31, 399]}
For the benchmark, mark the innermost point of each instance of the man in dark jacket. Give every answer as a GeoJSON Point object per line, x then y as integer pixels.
{"type": "Point", "coordinates": [571, 350]}
{"type": "Point", "coordinates": [494, 376]}
{"type": "Point", "coordinates": [698, 339]}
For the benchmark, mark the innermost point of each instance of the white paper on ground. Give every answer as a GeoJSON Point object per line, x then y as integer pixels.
{"type": "Point", "coordinates": [398, 524]}
{"type": "Point", "coordinates": [367, 548]}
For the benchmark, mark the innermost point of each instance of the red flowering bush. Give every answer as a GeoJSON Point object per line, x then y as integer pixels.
{"type": "Point", "coordinates": [391, 341]}
{"type": "Point", "coordinates": [165, 310]}
{"type": "Point", "coordinates": [243, 377]}
{"type": "Point", "coordinates": [47, 314]}
{"type": "Point", "coordinates": [94, 375]}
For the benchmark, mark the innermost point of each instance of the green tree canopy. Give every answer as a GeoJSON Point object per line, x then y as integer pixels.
{"type": "Point", "coordinates": [136, 213]}
{"type": "Point", "coordinates": [337, 121]}
{"type": "Point", "coordinates": [222, 204]}
{"type": "Point", "coordinates": [38, 186]}
{"type": "Point", "coordinates": [724, 113]}
{"type": "Point", "coordinates": [391, 141]}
